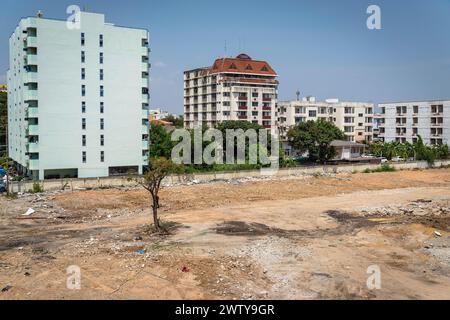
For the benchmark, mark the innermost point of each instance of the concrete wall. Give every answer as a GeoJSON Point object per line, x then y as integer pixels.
{"type": "Point", "coordinates": [74, 184]}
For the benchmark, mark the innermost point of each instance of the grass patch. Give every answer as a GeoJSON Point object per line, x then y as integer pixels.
{"type": "Point", "coordinates": [11, 196]}
{"type": "Point", "coordinates": [37, 188]}
{"type": "Point", "coordinates": [382, 168]}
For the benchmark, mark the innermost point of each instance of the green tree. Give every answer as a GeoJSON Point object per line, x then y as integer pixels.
{"type": "Point", "coordinates": [160, 142]}
{"type": "Point", "coordinates": [178, 122]}
{"type": "Point", "coordinates": [315, 137]}
{"type": "Point", "coordinates": [246, 125]}
{"type": "Point", "coordinates": [151, 181]}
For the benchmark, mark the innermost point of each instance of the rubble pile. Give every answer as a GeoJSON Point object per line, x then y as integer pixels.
{"type": "Point", "coordinates": [419, 207]}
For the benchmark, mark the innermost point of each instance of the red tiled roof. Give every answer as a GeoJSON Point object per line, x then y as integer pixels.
{"type": "Point", "coordinates": [241, 64]}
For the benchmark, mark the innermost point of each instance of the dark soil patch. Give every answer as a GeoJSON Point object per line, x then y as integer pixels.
{"type": "Point", "coordinates": [241, 228]}
{"type": "Point", "coordinates": [348, 225]}
{"type": "Point", "coordinates": [436, 222]}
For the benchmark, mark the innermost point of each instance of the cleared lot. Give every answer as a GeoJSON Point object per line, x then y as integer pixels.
{"type": "Point", "coordinates": [297, 238]}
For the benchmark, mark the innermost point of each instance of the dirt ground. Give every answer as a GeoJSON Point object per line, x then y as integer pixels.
{"type": "Point", "coordinates": [311, 237]}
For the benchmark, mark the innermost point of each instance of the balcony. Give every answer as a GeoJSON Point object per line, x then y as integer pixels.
{"type": "Point", "coordinates": [436, 134]}
{"type": "Point", "coordinates": [267, 108]}
{"type": "Point", "coordinates": [30, 95]}
{"type": "Point", "coordinates": [33, 147]}
{"type": "Point", "coordinates": [243, 98]}
{"type": "Point", "coordinates": [31, 41]}
{"type": "Point", "coordinates": [144, 144]}
{"type": "Point", "coordinates": [243, 117]}
{"type": "Point", "coordinates": [33, 164]}
{"type": "Point", "coordinates": [144, 82]}
{"type": "Point", "coordinates": [145, 98]}
{"type": "Point", "coordinates": [144, 51]}
{"type": "Point", "coordinates": [145, 129]}
{"type": "Point", "coordinates": [267, 117]}
{"type": "Point", "coordinates": [31, 59]}
{"type": "Point", "coordinates": [242, 108]}
{"type": "Point", "coordinates": [32, 112]}
{"type": "Point", "coordinates": [144, 66]}
{"type": "Point", "coordinates": [30, 77]}
{"type": "Point", "coordinates": [144, 114]}
{"type": "Point", "coordinates": [437, 124]}
{"type": "Point", "coordinates": [145, 159]}
{"type": "Point", "coordinates": [33, 130]}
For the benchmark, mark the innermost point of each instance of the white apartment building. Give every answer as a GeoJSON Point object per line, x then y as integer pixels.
{"type": "Point", "coordinates": [354, 118]}
{"type": "Point", "coordinates": [159, 114]}
{"type": "Point", "coordinates": [231, 89]}
{"type": "Point", "coordinates": [78, 98]}
{"type": "Point", "coordinates": [405, 121]}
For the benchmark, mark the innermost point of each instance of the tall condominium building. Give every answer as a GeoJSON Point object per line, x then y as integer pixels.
{"type": "Point", "coordinates": [354, 118]}
{"type": "Point", "coordinates": [405, 121]}
{"type": "Point", "coordinates": [231, 89]}
{"type": "Point", "coordinates": [78, 98]}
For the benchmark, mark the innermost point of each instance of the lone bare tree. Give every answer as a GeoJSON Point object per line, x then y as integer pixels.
{"type": "Point", "coordinates": [151, 181]}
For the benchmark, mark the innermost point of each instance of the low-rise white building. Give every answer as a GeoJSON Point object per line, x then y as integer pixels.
{"type": "Point", "coordinates": [355, 119]}
{"type": "Point", "coordinates": [159, 114]}
{"type": "Point", "coordinates": [405, 121]}
{"type": "Point", "coordinates": [78, 98]}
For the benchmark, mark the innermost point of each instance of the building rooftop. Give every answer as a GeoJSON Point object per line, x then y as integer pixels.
{"type": "Point", "coordinates": [241, 64]}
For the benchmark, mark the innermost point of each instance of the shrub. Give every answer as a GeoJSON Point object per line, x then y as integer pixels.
{"type": "Point", "coordinates": [37, 188]}
{"type": "Point", "coordinates": [382, 168]}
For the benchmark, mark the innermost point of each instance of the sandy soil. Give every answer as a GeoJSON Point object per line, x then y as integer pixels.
{"type": "Point", "coordinates": [296, 238]}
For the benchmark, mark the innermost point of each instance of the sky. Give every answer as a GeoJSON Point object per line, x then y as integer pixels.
{"type": "Point", "coordinates": [322, 48]}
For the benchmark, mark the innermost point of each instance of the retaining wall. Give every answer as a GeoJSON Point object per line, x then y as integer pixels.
{"type": "Point", "coordinates": [96, 183]}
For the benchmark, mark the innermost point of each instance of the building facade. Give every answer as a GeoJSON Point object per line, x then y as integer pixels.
{"type": "Point", "coordinates": [405, 121]}
{"type": "Point", "coordinates": [354, 118]}
{"type": "Point", "coordinates": [231, 89]}
{"type": "Point", "coordinates": [78, 98]}
{"type": "Point", "coordinates": [159, 114]}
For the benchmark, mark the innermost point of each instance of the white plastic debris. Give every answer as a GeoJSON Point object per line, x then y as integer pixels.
{"type": "Point", "coordinates": [438, 234]}
{"type": "Point", "coordinates": [29, 212]}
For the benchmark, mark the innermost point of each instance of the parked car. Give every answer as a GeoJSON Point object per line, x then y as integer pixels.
{"type": "Point", "coordinates": [384, 160]}
{"type": "Point", "coordinates": [2, 186]}
{"type": "Point", "coordinates": [397, 159]}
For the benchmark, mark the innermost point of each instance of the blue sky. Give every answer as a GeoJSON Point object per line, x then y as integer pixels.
{"type": "Point", "coordinates": [320, 47]}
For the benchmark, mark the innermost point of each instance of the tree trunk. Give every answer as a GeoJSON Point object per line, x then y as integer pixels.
{"type": "Point", "coordinates": [155, 215]}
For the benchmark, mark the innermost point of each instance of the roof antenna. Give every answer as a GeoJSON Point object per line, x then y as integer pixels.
{"type": "Point", "coordinates": [298, 95]}
{"type": "Point", "coordinates": [40, 14]}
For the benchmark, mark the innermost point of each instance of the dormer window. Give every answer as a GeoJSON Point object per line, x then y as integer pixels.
{"type": "Point", "coordinates": [249, 67]}
{"type": "Point", "coordinates": [264, 69]}
{"type": "Point", "coordinates": [233, 66]}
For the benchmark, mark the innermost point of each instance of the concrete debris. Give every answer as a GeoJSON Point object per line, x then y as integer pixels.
{"type": "Point", "coordinates": [416, 208]}
{"type": "Point", "coordinates": [29, 212]}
